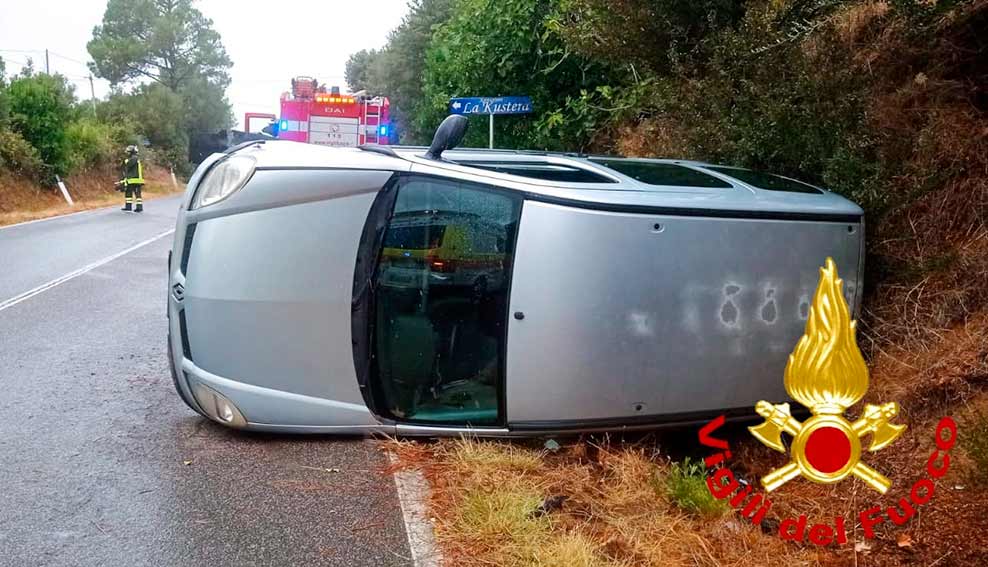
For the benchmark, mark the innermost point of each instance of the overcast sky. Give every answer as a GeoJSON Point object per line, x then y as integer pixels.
{"type": "Point", "coordinates": [268, 41]}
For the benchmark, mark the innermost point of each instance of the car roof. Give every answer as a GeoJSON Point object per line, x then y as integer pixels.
{"type": "Point", "coordinates": [609, 187]}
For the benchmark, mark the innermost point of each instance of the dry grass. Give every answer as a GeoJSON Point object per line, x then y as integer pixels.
{"type": "Point", "coordinates": [488, 498]}
{"type": "Point", "coordinates": [572, 549]}
{"type": "Point", "coordinates": [22, 200]}
{"type": "Point", "coordinates": [658, 136]}
{"type": "Point", "coordinates": [617, 508]}
{"type": "Point", "coordinates": [974, 444]}
{"type": "Point", "coordinates": [852, 22]}
{"type": "Point", "coordinates": [928, 254]}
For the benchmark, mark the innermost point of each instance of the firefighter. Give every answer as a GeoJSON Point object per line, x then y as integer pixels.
{"type": "Point", "coordinates": [133, 181]}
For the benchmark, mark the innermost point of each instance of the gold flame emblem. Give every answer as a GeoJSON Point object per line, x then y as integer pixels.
{"type": "Point", "coordinates": [827, 374]}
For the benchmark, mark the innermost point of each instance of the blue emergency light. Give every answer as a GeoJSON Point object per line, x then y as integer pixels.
{"type": "Point", "coordinates": [283, 126]}
{"type": "Point", "coordinates": [382, 130]}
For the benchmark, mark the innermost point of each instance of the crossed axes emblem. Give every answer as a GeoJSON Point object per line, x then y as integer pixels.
{"type": "Point", "coordinates": [874, 420]}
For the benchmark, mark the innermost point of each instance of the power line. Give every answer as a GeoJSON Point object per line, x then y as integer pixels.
{"type": "Point", "coordinates": [24, 63]}
{"type": "Point", "coordinates": [21, 62]}
{"type": "Point", "coordinates": [70, 75]}
{"type": "Point", "coordinates": [287, 79]}
{"type": "Point", "coordinates": [50, 52]}
{"type": "Point", "coordinates": [67, 58]}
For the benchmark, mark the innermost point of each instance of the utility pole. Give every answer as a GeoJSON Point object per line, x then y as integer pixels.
{"type": "Point", "coordinates": [47, 70]}
{"type": "Point", "coordinates": [92, 94]}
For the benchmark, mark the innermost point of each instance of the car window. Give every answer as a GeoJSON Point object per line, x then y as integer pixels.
{"type": "Point", "coordinates": [441, 297]}
{"type": "Point", "coordinates": [766, 181]}
{"type": "Point", "coordinates": [664, 174]}
{"type": "Point", "coordinates": [540, 170]}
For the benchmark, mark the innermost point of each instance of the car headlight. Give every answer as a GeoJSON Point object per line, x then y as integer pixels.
{"type": "Point", "coordinates": [223, 180]}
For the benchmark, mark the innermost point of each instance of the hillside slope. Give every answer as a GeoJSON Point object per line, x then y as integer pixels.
{"type": "Point", "coordinates": [23, 200]}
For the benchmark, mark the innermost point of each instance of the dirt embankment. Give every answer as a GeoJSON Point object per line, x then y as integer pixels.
{"type": "Point", "coordinates": [23, 200]}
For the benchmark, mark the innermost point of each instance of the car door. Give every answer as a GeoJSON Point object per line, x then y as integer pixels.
{"type": "Point", "coordinates": [632, 317]}
{"type": "Point", "coordinates": [437, 306]}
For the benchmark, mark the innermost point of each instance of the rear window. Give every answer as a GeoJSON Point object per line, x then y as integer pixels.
{"type": "Point", "coordinates": [423, 237]}
{"type": "Point", "coordinates": [767, 181]}
{"type": "Point", "coordinates": [655, 173]}
{"type": "Point", "coordinates": [541, 170]}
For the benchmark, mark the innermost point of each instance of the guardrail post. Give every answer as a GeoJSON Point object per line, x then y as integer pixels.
{"type": "Point", "coordinates": [65, 192]}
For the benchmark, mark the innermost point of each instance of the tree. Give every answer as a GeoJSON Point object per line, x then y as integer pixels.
{"type": "Point", "coordinates": [28, 69]}
{"type": "Point", "coordinates": [206, 106]}
{"type": "Point", "coordinates": [172, 51]}
{"type": "Point", "coordinates": [40, 110]}
{"type": "Point", "coordinates": [167, 41]}
{"type": "Point", "coordinates": [4, 102]}
{"type": "Point", "coordinates": [397, 70]}
{"type": "Point", "coordinates": [359, 71]}
{"type": "Point", "coordinates": [503, 48]}
{"type": "Point", "coordinates": [155, 111]}
{"type": "Point", "coordinates": [646, 34]}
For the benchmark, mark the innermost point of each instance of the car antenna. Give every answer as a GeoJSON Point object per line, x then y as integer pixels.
{"type": "Point", "coordinates": [449, 135]}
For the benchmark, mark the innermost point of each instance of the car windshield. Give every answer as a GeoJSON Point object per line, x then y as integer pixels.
{"type": "Point", "coordinates": [662, 174]}
{"type": "Point", "coordinates": [766, 181]}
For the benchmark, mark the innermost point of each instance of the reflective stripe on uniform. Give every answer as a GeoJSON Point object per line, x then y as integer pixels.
{"type": "Point", "coordinates": [139, 180]}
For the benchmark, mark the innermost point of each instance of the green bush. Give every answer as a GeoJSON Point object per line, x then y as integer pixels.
{"type": "Point", "coordinates": [974, 440]}
{"type": "Point", "coordinates": [686, 486]}
{"type": "Point", "coordinates": [4, 108]}
{"type": "Point", "coordinates": [40, 110]}
{"type": "Point", "coordinates": [19, 157]}
{"type": "Point", "coordinates": [90, 144]}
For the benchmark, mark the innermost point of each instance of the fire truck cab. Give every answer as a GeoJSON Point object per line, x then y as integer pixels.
{"type": "Point", "coordinates": [310, 113]}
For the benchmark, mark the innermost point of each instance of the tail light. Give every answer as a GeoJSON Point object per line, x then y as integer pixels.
{"type": "Point", "coordinates": [441, 265]}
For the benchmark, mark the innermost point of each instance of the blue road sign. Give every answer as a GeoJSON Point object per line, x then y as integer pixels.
{"type": "Point", "coordinates": [491, 105]}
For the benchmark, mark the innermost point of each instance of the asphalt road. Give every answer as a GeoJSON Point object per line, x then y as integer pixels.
{"type": "Point", "coordinates": [102, 464]}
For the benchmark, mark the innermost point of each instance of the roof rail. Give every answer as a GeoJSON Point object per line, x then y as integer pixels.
{"type": "Point", "coordinates": [511, 151]}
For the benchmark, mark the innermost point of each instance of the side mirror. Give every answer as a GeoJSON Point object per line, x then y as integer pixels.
{"type": "Point", "coordinates": [449, 135]}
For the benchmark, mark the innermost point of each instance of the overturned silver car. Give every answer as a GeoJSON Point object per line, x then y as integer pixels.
{"type": "Point", "coordinates": [425, 292]}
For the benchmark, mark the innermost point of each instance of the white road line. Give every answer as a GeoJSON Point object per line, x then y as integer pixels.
{"type": "Point", "coordinates": [413, 497]}
{"type": "Point", "coordinates": [89, 267]}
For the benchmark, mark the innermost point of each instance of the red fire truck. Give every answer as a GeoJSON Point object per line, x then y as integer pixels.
{"type": "Point", "coordinates": [310, 113]}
